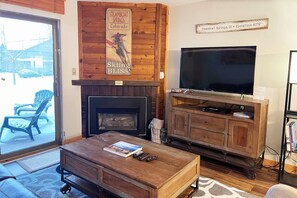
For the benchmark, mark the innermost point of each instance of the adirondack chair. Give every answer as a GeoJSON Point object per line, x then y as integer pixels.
{"type": "Point", "coordinates": [24, 123]}
{"type": "Point", "coordinates": [40, 96]}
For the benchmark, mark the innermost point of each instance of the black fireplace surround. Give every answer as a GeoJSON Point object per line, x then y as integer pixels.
{"type": "Point", "coordinates": [125, 114]}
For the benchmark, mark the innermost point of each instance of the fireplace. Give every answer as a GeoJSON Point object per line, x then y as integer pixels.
{"type": "Point", "coordinates": [126, 114]}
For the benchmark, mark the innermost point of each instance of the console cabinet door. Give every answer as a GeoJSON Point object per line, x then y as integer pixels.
{"type": "Point", "coordinates": [241, 137]}
{"type": "Point", "coordinates": [180, 123]}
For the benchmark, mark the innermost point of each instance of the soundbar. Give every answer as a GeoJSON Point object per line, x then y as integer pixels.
{"type": "Point", "coordinates": [213, 109]}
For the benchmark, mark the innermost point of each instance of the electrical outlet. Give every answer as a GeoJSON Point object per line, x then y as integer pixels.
{"type": "Point", "coordinates": [162, 75]}
{"type": "Point", "coordinates": [73, 71]}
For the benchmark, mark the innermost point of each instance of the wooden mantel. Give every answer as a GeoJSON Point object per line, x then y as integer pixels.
{"type": "Point", "coordinates": [115, 83]}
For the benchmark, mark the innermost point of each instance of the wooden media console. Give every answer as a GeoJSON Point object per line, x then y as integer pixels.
{"type": "Point", "coordinates": [204, 123]}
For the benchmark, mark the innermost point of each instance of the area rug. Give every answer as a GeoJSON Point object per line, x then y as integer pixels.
{"type": "Point", "coordinates": [40, 161]}
{"type": "Point", "coordinates": [214, 189]}
{"type": "Point", "coordinates": [47, 183]}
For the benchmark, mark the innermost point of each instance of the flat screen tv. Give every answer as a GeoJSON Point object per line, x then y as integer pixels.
{"type": "Point", "coordinates": [219, 69]}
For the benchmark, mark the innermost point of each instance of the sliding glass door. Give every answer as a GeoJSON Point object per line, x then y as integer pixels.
{"type": "Point", "coordinates": [29, 75]}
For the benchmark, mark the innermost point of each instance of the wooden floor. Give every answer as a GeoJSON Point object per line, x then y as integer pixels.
{"type": "Point", "coordinates": [236, 177]}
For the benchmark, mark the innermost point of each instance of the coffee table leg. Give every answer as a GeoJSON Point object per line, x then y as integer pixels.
{"type": "Point", "coordinates": [194, 189]}
{"type": "Point", "coordinates": [65, 187]}
{"type": "Point", "coordinates": [197, 185]}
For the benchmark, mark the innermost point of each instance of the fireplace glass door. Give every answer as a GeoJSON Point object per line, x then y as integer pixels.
{"type": "Point", "coordinates": [126, 114]}
{"type": "Point", "coordinates": [117, 121]}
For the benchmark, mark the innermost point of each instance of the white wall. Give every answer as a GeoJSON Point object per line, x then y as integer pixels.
{"type": "Point", "coordinates": [70, 60]}
{"type": "Point", "coordinates": [273, 45]}
{"type": "Point", "coordinates": [71, 96]}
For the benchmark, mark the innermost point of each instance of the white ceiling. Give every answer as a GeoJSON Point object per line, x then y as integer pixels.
{"type": "Point", "coordinates": [165, 2]}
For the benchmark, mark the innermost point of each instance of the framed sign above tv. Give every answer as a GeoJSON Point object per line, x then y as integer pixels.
{"type": "Point", "coordinates": [219, 69]}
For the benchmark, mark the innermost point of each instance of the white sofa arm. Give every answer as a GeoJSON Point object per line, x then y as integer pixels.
{"type": "Point", "coordinates": [281, 190]}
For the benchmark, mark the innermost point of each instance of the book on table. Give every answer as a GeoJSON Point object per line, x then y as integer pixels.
{"type": "Point", "coordinates": [123, 149]}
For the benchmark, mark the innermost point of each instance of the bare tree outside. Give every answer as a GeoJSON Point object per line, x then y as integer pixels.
{"type": "Point", "coordinates": [25, 52]}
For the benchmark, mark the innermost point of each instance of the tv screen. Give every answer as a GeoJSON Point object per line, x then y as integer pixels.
{"type": "Point", "coordinates": [220, 69]}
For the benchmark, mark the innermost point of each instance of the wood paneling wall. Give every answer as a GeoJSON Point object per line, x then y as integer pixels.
{"type": "Point", "coordinates": [163, 60]}
{"type": "Point", "coordinates": [149, 53]}
{"type": "Point", "coordinates": [146, 40]}
{"type": "Point", "coordinates": [55, 6]}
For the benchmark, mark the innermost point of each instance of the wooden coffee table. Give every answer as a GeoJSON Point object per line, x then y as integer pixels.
{"type": "Point", "coordinates": [95, 171]}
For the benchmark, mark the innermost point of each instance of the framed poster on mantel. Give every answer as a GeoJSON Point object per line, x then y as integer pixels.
{"type": "Point", "coordinates": [118, 41]}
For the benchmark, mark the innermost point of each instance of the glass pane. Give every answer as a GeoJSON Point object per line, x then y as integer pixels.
{"type": "Point", "coordinates": [117, 121]}
{"type": "Point", "coordinates": [26, 68]}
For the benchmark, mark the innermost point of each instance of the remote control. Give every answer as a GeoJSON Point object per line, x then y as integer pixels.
{"type": "Point", "coordinates": [143, 156]}
{"type": "Point", "coordinates": [151, 158]}
{"type": "Point", "coordinates": [137, 154]}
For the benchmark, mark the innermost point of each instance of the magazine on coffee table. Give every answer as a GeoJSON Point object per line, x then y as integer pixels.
{"type": "Point", "coordinates": [123, 149]}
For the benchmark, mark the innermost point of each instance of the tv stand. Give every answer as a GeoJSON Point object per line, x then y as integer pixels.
{"type": "Point", "coordinates": [193, 121]}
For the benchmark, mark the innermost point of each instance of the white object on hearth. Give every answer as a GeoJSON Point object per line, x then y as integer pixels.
{"type": "Point", "coordinates": [156, 126]}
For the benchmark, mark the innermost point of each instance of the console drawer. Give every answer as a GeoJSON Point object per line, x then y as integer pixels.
{"type": "Point", "coordinates": [123, 186]}
{"type": "Point", "coordinates": [208, 137]}
{"type": "Point", "coordinates": [208, 122]}
{"type": "Point", "coordinates": [80, 167]}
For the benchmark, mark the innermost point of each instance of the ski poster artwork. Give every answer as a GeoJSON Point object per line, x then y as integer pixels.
{"type": "Point", "coordinates": [118, 41]}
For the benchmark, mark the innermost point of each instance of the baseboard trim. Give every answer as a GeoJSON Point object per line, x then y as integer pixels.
{"type": "Point", "coordinates": [73, 139]}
